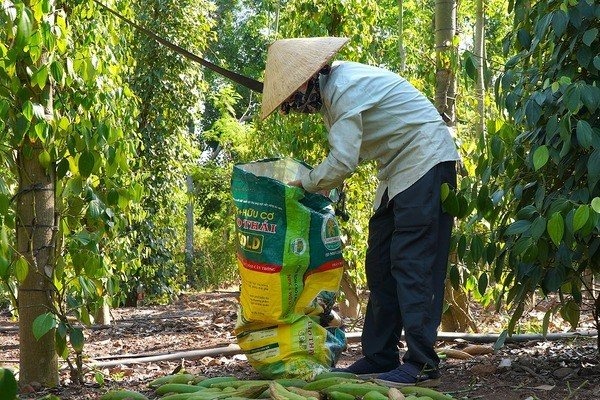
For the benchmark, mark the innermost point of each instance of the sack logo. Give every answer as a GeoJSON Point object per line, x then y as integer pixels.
{"type": "Point", "coordinates": [298, 246]}
{"type": "Point", "coordinates": [330, 233]}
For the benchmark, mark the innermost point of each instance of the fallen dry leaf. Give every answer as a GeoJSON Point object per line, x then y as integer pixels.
{"type": "Point", "coordinates": [455, 353]}
{"type": "Point", "coordinates": [478, 349]}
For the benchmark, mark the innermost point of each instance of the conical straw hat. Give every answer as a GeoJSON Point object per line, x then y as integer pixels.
{"type": "Point", "coordinates": [290, 63]}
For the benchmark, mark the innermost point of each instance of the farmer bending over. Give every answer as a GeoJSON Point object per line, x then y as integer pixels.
{"type": "Point", "coordinates": [374, 114]}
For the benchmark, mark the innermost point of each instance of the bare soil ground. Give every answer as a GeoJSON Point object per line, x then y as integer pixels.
{"type": "Point", "coordinates": [544, 370]}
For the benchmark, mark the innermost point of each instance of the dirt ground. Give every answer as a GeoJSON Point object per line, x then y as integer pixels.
{"type": "Point", "coordinates": [544, 370]}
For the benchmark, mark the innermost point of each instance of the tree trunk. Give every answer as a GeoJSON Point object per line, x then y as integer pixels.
{"type": "Point", "coordinates": [189, 233]}
{"type": "Point", "coordinates": [350, 305]}
{"type": "Point", "coordinates": [102, 316]}
{"type": "Point", "coordinates": [445, 81]}
{"type": "Point", "coordinates": [401, 48]}
{"type": "Point", "coordinates": [479, 53]}
{"type": "Point", "coordinates": [35, 230]}
{"type": "Point", "coordinates": [457, 317]}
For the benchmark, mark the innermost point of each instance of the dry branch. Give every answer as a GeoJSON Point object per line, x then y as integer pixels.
{"type": "Point", "coordinates": [188, 355]}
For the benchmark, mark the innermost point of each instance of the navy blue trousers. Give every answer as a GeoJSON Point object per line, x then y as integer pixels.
{"type": "Point", "coordinates": [407, 256]}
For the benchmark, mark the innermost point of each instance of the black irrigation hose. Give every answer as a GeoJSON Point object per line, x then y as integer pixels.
{"type": "Point", "coordinates": [351, 337]}
{"type": "Point", "coordinates": [493, 337]}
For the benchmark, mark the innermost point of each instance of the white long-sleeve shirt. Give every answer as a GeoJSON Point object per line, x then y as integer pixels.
{"type": "Point", "coordinates": [374, 114]}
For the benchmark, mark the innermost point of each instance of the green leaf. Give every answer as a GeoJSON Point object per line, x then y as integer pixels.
{"type": "Point", "coordinates": [590, 95]}
{"type": "Point", "coordinates": [44, 159]}
{"type": "Point", "coordinates": [584, 134]}
{"type": "Point", "coordinates": [581, 216]}
{"type": "Point", "coordinates": [482, 283]}
{"type": "Point", "coordinates": [445, 189]}
{"type": "Point", "coordinates": [4, 264]}
{"type": "Point", "coordinates": [518, 227]}
{"type": "Point", "coordinates": [8, 384]}
{"type": "Point", "coordinates": [40, 77]}
{"type": "Point", "coordinates": [527, 212]}
{"type": "Point", "coordinates": [596, 204]}
{"type": "Point", "coordinates": [593, 166]}
{"type": "Point", "coordinates": [476, 249]}
{"type": "Point", "coordinates": [28, 110]}
{"type": "Point", "coordinates": [572, 98]}
{"type": "Point", "coordinates": [522, 245]}
{"type": "Point", "coordinates": [62, 168]}
{"type": "Point", "coordinates": [524, 38]}
{"type": "Point", "coordinates": [490, 253]}
{"type": "Point", "coordinates": [500, 341]}
{"type": "Point", "coordinates": [589, 36]}
{"type": "Point", "coordinates": [84, 316]}
{"type": "Point", "coordinates": [566, 147]}
{"type": "Point", "coordinates": [21, 269]}
{"type": "Point", "coordinates": [454, 276]}
{"type": "Point", "coordinates": [497, 146]}
{"type": "Point", "coordinates": [484, 203]}
{"type": "Point", "coordinates": [4, 107]}
{"type": "Point", "coordinates": [61, 344]}
{"type": "Point", "coordinates": [4, 204]}
{"type": "Point", "coordinates": [77, 340]}
{"type": "Point", "coordinates": [546, 321]}
{"type": "Point", "coordinates": [538, 227]}
{"type": "Point", "coordinates": [470, 65]}
{"type": "Point", "coordinates": [46, 6]}
{"type": "Point", "coordinates": [559, 22]}
{"type": "Point", "coordinates": [63, 123]}
{"type": "Point", "coordinates": [461, 248]}
{"type": "Point", "coordinates": [463, 206]}
{"type": "Point", "coordinates": [95, 209]}
{"type": "Point", "coordinates": [516, 316]}
{"type": "Point", "coordinates": [43, 324]}
{"type": "Point", "coordinates": [86, 163]}
{"type": "Point", "coordinates": [112, 198]}
{"type": "Point", "coordinates": [58, 73]}
{"type": "Point", "coordinates": [553, 279]}
{"type": "Point", "coordinates": [42, 130]}
{"type": "Point", "coordinates": [584, 57]}
{"type": "Point", "coordinates": [540, 157]}
{"type": "Point", "coordinates": [61, 341]}
{"type": "Point", "coordinates": [21, 128]}
{"type": "Point", "coordinates": [533, 111]}
{"type": "Point", "coordinates": [83, 237]}
{"type": "Point", "coordinates": [556, 228]}
{"type": "Point", "coordinates": [552, 128]}
{"type": "Point", "coordinates": [450, 205]}
{"type": "Point", "coordinates": [99, 378]}
{"type": "Point", "coordinates": [570, 312]}
{"type": "Point", "coordinates": [24, 26]}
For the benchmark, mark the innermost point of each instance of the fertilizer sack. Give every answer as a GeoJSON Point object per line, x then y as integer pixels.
{"type": "Point", "coordinates": [290, 263]}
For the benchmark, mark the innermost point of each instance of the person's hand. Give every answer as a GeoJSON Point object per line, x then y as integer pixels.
{"type": "Point", "coordinates": [298, 183]}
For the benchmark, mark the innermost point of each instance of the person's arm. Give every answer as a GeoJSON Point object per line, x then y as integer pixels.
{"type": "Point", "coordinates": [345, 138]}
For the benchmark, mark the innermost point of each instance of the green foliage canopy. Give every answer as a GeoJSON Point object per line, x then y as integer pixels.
{"type": "Point", "coordinates": [62, 90]}
{"type": "Point", "coordinates": [549, 163]}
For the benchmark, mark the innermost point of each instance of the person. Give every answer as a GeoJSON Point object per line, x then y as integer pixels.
{"type": "Point", "coordinates": [374, 114]}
